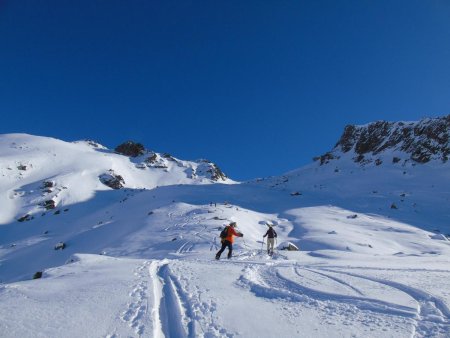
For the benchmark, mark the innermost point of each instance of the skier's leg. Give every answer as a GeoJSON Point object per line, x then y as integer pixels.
{"type": "Point", "coordinates": [224, 245]}
{"type": "Point", "coordinates": [230, 249]}
{"type": "Point", "coordinates": [271, 246]}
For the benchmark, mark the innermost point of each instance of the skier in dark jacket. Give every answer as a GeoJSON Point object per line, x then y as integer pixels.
{"type": "Point", "coordinates": [271, 235]}
{"type": "Point", "coordinates": [229, 239]}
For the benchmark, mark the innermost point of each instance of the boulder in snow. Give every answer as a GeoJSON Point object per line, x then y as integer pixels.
{"type": "Point", "coordinates": [37, 275]}
{"type": "Point", "coordinates": [140, 165]}
{"type": "Point", "coordinates": [288, 246]}
{"type": "Point", "coordinates": [50, 204]}
{"type": "Point", "coordinates": [26, 217]}
{"type": "Point", "coordinates": [112, 180]}
{"type": "Point", "coordinates": [48, 184]}
{"type": "Point", "coordinates": [60, 246]}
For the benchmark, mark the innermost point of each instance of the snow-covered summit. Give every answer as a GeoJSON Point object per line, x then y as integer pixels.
{"type": "Point", "coordinates": [397, 142]}
{"type": "Point", "coordinates": [37, 173]}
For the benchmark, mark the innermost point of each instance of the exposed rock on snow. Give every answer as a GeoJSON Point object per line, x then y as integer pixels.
{"type": "Point", "coordinates": [49, 204]}
{"type": "Point", "coordinates": [288, 246]}
{"type": "Point", "coordinates": [210, 170]}
{"type": "Point", "coordinates": [156, 161]}
{"type": "Point", "coordinates": [48, 184]}
{"type": "Point", "coordinates": [60, 246]}
{"type": "Point", "coordinates": [420, 142]}
{"type": "Point", "coordinates": [112, 180]}
{"type": "Point", "coordinates": [91, 143]}
{"type": "Point", "coordinates": [26, 217]}
{"type": "Point", "coordinates": [130, 148]}
{"type": "Point", "coordinates": [37, 275]}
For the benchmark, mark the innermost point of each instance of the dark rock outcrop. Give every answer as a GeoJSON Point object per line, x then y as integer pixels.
{"type": "Point", "coordinates": [60, 246]}
{"type": "Point", "coordinates": [25, 218]}
{"type": "Point", "coordinates": [156, 161]}
{"type": "Point", "coordinates": [94, 144]}
{"type": "Point", "coordinates": [421, 141]}
{"type": "Point", "coordinates": [49, 204]}
{"type": "Point", "coordinates": [48, 184]}
{"type": "Point", "coordinates": [130, 148]}
{"type": "Point", "coordinates": [216, 173]}
{"type": "Point", "coordinates": [151, 159]}
{"type": "Point", "coordinates": [37, 275]}
{"type": "Point", "coordinates": [112, 180]}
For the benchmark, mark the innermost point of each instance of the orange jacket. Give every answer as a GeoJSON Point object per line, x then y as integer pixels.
{"type": "Point", "coordinates": [231, 233]}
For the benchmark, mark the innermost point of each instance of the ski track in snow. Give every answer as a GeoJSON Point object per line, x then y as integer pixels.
{"type": "Point", "coordinates": [172, 313]}
{"type": "Point", "coordinates": [425, 314]}
{"type": "Point", "coordinates": [185, 247]}
{"type": "Point", "coordinates": [332, 291]}
{"type": "Point", "coordinates": [177, 313]}
{"type": "Point", "coordinates": [361, 299]}
{"type": "Point", "coordinates": [433, 315]}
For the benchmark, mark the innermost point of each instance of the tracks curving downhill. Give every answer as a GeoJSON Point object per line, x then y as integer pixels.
{"type": "Point", "coordinates": [432, 318]}
{"type": "Point", "coordinates": [422, 313]}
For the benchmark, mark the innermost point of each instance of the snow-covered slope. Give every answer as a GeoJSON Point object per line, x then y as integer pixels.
{"type": "Point", "coordinates": [141, 231]}
{"type": "Point", "coordinates": [398, 170]}
{"type": "Point", "coordinates": [38, 173]}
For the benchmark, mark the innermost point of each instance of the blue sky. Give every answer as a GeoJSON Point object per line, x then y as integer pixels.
{"type": "Point", "coordinates": [259, 87]}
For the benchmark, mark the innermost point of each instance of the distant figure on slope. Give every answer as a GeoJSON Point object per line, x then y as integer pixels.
{"type": "Point", "coordinates": [228, 239]}
{"type": "Point", "coordinates": [271, 235]}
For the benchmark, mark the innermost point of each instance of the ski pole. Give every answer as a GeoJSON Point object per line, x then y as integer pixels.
{"type": "Point", "coordinates": [262, 245]}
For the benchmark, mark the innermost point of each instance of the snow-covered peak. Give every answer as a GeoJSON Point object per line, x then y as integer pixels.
{"type": "Point", "coordinates": [144, 158]}
{"type": "Point", "coordinates": [397, 142]}
{"type": "Point", "coordinates": [78, 170]}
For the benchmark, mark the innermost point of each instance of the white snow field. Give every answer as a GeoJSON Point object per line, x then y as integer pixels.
{"type": "Point", "coordinates": [138, 261]}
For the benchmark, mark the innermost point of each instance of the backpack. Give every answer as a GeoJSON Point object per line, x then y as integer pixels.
{"type": "Point", "coordinates": [224, 233]}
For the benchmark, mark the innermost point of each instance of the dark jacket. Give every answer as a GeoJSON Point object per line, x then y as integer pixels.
{"type": "Point", "coordinates": [271, 233]}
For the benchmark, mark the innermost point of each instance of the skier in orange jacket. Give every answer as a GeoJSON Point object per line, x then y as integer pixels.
{"type": "Point", "coordinates": [228, 240]}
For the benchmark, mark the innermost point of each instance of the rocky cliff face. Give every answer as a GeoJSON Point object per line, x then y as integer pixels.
{"type": "Point", "coordinates": [420, 142]}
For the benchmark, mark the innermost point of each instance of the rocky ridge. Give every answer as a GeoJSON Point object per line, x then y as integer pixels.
{"type": "Point", "coordinates": [148, 159]}
{"type": "Point", "coordinates": [415, 142]}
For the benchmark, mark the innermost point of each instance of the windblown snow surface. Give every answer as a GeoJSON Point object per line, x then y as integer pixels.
{"type": "Point", "coordinates": [374, 260]}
